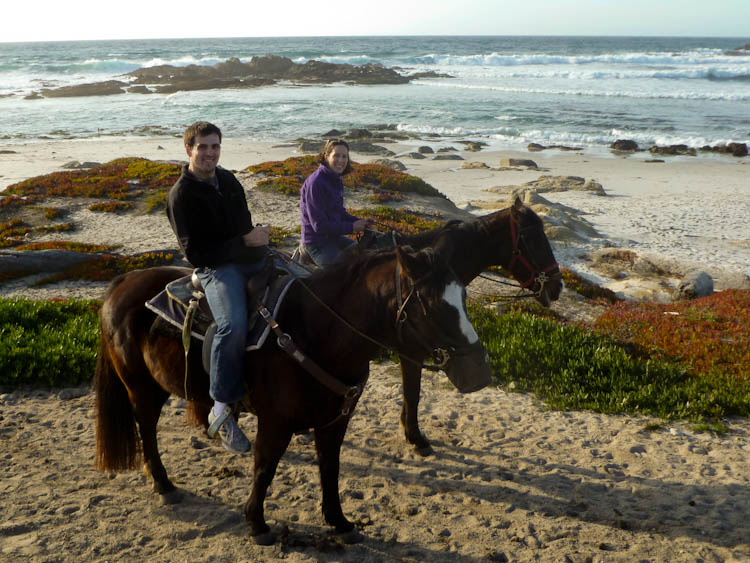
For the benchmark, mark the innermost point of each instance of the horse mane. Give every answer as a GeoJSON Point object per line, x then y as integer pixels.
{"type": "Point", "coordinates": [428, 238]}
{"type": "Point", "coordinates": [336, 277]}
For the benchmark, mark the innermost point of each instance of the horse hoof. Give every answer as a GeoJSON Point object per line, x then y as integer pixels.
{"type": "Point", "coordinates": [267, 538]}
{"type": "Point", "coordinates": [353, 536]}
{"type": "Point", "coordinates": [424, 451]}
{"type": "Point", "coordinates": [172, 497]}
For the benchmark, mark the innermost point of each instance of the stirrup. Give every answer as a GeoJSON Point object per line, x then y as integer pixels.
{"type": "Point", "coordinates": [218, 422]}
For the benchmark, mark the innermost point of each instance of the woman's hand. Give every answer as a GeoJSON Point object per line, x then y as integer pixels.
{"type": "Point", "coordinates": [257, 237]}
{"type": "Point", "coordinates": [361, 224]}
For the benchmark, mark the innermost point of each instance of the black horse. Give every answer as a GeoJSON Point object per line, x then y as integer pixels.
{"type": "Point", "coordinates": [339, 318]}
{"type": "Point", "coordinates": [513, 238]}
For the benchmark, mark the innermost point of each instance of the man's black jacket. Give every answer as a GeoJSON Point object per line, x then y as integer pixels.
{"type": "Point", "coordinates": [209, 225]}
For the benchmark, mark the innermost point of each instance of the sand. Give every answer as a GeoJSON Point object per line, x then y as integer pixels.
{"type": "Point", "coordinates": [510, 480]}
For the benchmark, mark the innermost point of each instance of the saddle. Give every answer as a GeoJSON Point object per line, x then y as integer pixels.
{"type": "Point", "coordinates": [183, 305]}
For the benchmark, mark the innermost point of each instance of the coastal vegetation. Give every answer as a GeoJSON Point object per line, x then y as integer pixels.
{"type": "Point", "coordinates": [286, 177]}
{"type": "Point", "coordinates": [637, 359]}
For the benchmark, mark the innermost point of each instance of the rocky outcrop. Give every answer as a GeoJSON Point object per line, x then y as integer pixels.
{"type": "Point", "coordinates": [232, 73]}
{"type": "Point", "coordinates": [735, 149]}
{"type": "Point", "coordinates": [536, 147]}
{"type": "Point", "coordinates": [743, 51]}
{"type": "Point", "coordinates": [673, 150]}
{"type": "Point", "coordinates": [106, 88]}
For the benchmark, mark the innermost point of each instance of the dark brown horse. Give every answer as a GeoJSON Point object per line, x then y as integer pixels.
{"type": "Point", "coordinates": [513, 238]}
{"type": "Point", "coordinates": [405, 300]}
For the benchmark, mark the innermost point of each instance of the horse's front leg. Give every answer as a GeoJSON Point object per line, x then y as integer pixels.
{"type": "Point", "coordinates": [270, 445]}
{"type": "Point", "coordinates": [411, 378]}
{"type": "Point", "coordinates": [328, 445]}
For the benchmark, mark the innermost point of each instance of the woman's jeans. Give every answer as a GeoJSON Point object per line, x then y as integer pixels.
{"type": "Point", "coordinates": [225, 292]}
{"type": "Point", "coordinates": [328, 251]}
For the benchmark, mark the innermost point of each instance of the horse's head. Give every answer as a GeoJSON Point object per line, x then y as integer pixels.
{"type": "Point", "coordinates": [532, 262]}
{"type": "Point", "coordinates": [432, 318]}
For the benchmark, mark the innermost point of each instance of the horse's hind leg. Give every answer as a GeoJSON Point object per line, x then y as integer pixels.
{"type": "Point", "coordinates": [411, 377]}
{"type": "Point", "coordinates": [328, 445]}
{"type": "Point", "coordinates": [148, 400]}
{"type": "Point", "coordinates": [270, 445]}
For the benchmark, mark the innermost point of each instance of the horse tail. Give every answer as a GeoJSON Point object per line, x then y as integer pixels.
{"type": "Point", "coordinates": [117, 443]}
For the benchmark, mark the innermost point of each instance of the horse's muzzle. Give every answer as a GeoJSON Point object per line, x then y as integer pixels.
{"type": "Point", "coordinates": [469, 368]}
{"type": "Point", "coordinates": [550, 290]}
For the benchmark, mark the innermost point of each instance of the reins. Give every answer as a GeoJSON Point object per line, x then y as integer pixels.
{"type": "Point", "coordinates": [350, 393]}
{"type": "Point", "coordinates": [401, 313]}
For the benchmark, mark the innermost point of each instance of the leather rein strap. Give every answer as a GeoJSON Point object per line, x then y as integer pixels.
{"type": "Point", "coordinates": [350, 393]}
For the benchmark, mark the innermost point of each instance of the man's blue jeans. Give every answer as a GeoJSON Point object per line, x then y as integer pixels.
{"type": "Point", "coordinates": [327, 251]}
{"type": "Point", "coordinates": [225, 291]}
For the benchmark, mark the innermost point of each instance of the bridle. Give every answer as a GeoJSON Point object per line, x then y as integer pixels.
{"type": "Point", "coordinates": [536, 274]}
{"type": "Point", "coordinates": [441, 356]}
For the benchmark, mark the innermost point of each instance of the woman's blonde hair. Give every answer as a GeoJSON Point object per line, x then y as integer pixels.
{"type": "Point", "coordinates": [328, 149]}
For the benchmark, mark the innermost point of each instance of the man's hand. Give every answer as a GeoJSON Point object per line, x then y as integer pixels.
{"type": "Point", "coordinates": [257, 237]}
{"type": "Point", "coordinates": [361, 224]}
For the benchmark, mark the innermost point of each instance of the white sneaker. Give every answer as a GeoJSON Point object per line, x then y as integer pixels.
{"type": "Point", "coordinates": [230, 434]}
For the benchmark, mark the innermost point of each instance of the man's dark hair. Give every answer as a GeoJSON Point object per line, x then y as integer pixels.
{"type": "Point", "coordinates": [328, 149]}
{"type": "Point", "coordinates": [200, 129]}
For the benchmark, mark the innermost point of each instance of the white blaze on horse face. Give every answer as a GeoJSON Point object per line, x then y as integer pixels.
{"type": "Point", "coordinates": [454, 296]}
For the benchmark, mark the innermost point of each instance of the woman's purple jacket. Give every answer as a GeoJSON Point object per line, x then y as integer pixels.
{"type": "Point", "coordinates": [321, 207]}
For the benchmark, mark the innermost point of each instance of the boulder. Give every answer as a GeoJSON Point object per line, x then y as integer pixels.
{"type": "Point", "coordinates": [474, 164]}
{"type": "Point", "coordinates": [359, 134]}
{"type": "Point", "coordinates": [624, 145]}
{"type": "Point", "coordinates": [473, 146]}
{"type": "Point", "coordinates": [364, 147]}
{"type": "Point", "coordinates": [416, 155]}
{"type": "Point", "coordinates": [77, 165]}
{"type": "Point", "coordinates": [425, 150]}
{"type": "Point", "coordinates": [310, 146]}
{"type": "Point", "coordinates": [333, 134]}
{"type": "Point", "coordinates": [395, 164]}
{"type": "Point", "coordinates": [448, 156]}
{"type": "Point", "coordinates": [548, 183]}
{"type": "Point", "coordinates": [506, 162]}
{"type": "Point", "coordinates": [695, 284]}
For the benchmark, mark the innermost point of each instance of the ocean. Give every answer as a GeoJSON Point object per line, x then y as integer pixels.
{"type": "Point", "coordinates": [506, 91]}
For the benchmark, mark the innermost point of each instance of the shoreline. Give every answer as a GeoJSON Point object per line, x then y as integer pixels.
{"type": "Point", "coordinates": [686, 213]}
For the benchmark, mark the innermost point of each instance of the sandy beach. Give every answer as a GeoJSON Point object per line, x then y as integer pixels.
{"type": "Point", "coordinates": [510, 480]}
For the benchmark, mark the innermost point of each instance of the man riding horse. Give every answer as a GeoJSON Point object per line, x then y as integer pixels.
{"type": "Point", "coordinates": [208, 212]}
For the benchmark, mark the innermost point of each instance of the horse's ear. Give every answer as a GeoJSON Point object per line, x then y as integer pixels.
{"type": "Point", "coordinates": [518, 204]}
{"type": "Point", "coordinates": [414, 264]}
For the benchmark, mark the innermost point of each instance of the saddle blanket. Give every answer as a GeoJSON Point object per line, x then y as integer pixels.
{"type": "Point", "coordinates": [172, 303]}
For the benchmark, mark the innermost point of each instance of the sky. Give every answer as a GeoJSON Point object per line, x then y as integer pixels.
{"type": "Point", "coordinates": [48, 20]}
